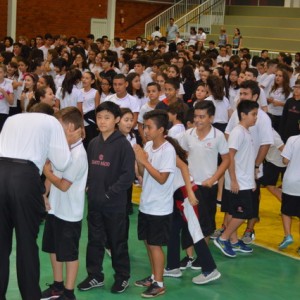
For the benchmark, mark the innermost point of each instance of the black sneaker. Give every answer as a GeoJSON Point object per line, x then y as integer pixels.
{"type": "Point", "coordinates": [146, 282]}
{"type": "Point", "coordinates": [186, 262]}
{"type": "Point", "coordinates": [89, 283]}
{"type": "Point", "coordinates": [52, 292]}
{"type": "Point", "coordinates": [119, 286]}
{"type": "Point", "coordinates": [196, 265]}
{"type": "Point", "coordinates": [153, 290]}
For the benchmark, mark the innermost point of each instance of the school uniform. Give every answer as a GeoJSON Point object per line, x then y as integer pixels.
{"type": "Point", "coordinates": [4, 106]}
{"type": "Point", "coordinates": [290, 205]}
{"type": "Point", "coordinates": [68, 100]}
{"type": "Point", "coordinates": [126, 102]}
{"type": "Point", "coordinates": [26, 141]}
{"type": "Point", "coordinates": [63, 224]}
{"type": "Point", "coordinates": [240, 204]}
{"type": "Point", "coordinates": [203, 163]}
{"type": "Point", "coordinates": [156, 206]}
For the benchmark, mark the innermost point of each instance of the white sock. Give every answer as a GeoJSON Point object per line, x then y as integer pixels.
{"type": "Point", "coordinates": [152, 276]}
{"type": "Point", "coordinates": [160, 284]}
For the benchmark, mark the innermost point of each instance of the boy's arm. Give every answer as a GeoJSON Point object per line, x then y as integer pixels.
{"type": "Point", "coordinates": [186, 177]}
{"type": "Point", "coordinates": [234, 184]}
{"type": "Point", "coordinates": [220, 171]}
{"type": "Point", "coordinates": [60, 183]}
{"type": "Point", "coordinates": [143, 163]}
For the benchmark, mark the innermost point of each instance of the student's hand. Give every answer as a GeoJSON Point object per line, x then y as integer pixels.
{"type": "Point", "coordinates": [47, 168]}
{"type": "Point", "coordinates": [192, 198]}
{"type": "Point", "coordinates": [270, 100]}
{"type": "Point", "coordinates": [140, 179]}
{"type": "Point", "coordinates": [276, 103]}
{"type": "Point", "coordinates": [47, 203]}
{"type": "Point", "coordinates": [234, 188]}
{"type": "Point", "coordinates": [74, 135]}
{"type": "Point", "coordinates": [208, 182]}
{"type": "Point", "coordinates": [140, 155]}
{"type": "Point", "coordinates": [256, 172]}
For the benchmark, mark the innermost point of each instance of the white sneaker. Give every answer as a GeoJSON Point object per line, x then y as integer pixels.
{"type": "Point", "coordinates": [205, 278]}
{"type": "Point", "coordinates": [172, 273]}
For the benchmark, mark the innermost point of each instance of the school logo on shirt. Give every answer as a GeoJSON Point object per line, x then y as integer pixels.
{"type": "Point", "coordinates": [101, 162]}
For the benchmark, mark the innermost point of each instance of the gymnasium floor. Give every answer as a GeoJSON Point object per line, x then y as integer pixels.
{"type": "Point", "coordinates": [264, 274]}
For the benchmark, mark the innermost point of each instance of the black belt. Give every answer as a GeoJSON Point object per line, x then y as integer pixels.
{"type": "Point", "coordinates": [17, 160]}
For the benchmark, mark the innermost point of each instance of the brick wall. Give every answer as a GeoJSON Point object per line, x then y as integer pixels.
{"type": "Point", "coordinates": [73, 17]}
{"type": "Point", "coordinates": [3, 18]}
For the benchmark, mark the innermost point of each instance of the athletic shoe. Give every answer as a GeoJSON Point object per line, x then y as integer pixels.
{"type": "Point", "coordinates": [153, 290]}
{"type": "Point", "coordinates": [240, 246]}
{"type": "Point", "coordinates": [248, 237]}
{"type": "Point", "coordinates": [89, 283]}
{"type": "Point", "coordinates": [206, 277]}
{"type": "Point", "coordinates": [52, 292]}
{"type": "Point", "coordinates": [146, 282]}
{"type": "Point", "coordinates": [186, 262]}
{"type": "Point", "coordinates": [286, 242]}
{"type": "Point", "coordinates": [172, 273]}
{"type": "Point", "coordinates": [119, 286]}
{"type": "Point", "coordinates": [64, 297]}
{"type": "Point", "coordinates": [217, 233]}
{"type": "Point", "coordinates": [225, 247]}
{"type": "Point", "coordinates": [196, 265]}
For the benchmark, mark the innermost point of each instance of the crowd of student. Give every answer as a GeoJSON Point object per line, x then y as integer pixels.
{"type": "Point", "coordinates": [193, 125]}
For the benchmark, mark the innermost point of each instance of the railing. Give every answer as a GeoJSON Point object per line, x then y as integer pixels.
{"type": "Point", "coordinates": [176, 11]}
{"type": "Point", "coordinates": [209, 13]}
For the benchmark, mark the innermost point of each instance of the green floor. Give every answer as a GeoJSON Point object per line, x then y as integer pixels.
{"type": "Point", "coordinates": [261, 275]}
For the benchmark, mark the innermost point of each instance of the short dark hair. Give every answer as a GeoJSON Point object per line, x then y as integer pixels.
{"type": "Point", "coordinates": [177, 108]}
{"type": "Point", "coordinates": [206, 105]}
{"type": "Point", "coordinates": [120, 76]}
{"type": "Point", "coordinates": [245, 107]}
{"type": "Point", "coordinates": [72, 115]}
{"type": "Point", "coordinates": [110, 107]}
{"type": "Point", "coordinates": [154, 84]}
{"type": "Point", "coordinates": [159, 117]}
{"type": "Point", "coordinates": [175, 83]}
{"type": "Point", "coordinates": [252, 85]}
{"type": "Point", "coordinates": [253, 71]}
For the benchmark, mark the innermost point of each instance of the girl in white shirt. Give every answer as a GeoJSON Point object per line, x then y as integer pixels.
{"type": "Point", "coordinates": [277, 97]}
{"type": "Point", "coordinates": [91, 99]}
{"type": "Point", "coordinates": [105, 89]}
{"type": "Point", "coordinates": [30, 81]}
{"type": "Point", "coordinates": [233, 86]}
{"type": "Point", "coordinates": [134, 88]}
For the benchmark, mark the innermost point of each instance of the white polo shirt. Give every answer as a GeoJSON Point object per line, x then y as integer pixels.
{"type": "Point", "coordinates": [261, 132]}
{"type": "Point", "coordinates": [222, 107]}
{"type": "Point", "coordinates": [127, 102]}
{"type": "Point", "coordinates": [69, 205]}
{"type": "Point", "coordinates": [274, 154]}
{"type": "Point", "coordinates": [241, 140]}
{"type": "Point", "coordinates": [176, 130]}
{"type": "Point", "coordinates": [291, 178]}
{"type": "Point", "coordinates": [7, 86]}
{"type": "Point", "coordinates": [156, 198]}
{"type": "Point", "coordinates": [69, 99]}
{"type": "Point", "coordinates": [203, 154]}
{"type": "Point", "coordinates": [35, 137]}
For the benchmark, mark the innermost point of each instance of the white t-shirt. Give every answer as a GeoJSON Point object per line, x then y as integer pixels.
{"type": "Point", "coordinates": [103, 97]}
{"type": "Point", "coordinates": [69, 205]}
{"type": "Point", "coordinates": [58, 80]}
{"type": "Point", "coordinates": [7, 86]}
{"type": "Point", "coordinates": [279, 96]}
{"type": "Point", "coordinates": [154, 34]}
{"type": "Point", "coordinates": [69, 99]}
{"type": "Point", "coordinates": [201, 37]}
{"type": "Point", "coordinates": [35, 137]}
{"type": "Point", "coordinates": [274, 154]}
{"type": "Point", "coordinates": [156, 198]}
{"type": "Point", "coordinates": [222, 107]}
{"type": "Point", "coordinates": [131, 139]}
{"type": "Point", "coordinates": [222, 59]}
{"type": "Point", "coordinates": [128, 102]}
{"type": "Point", "coordinates": [241, 140]}
{"type": "Point", "coordinates": [88, 103]}
{"type": "Point", "coordinates": [261, 132]}
{"type": "Point", "coordinates": [291, 178]}
{"type": "Point", "coordinates": [176, 130]}
{"type": "Point", "coordinates": [145, 79]}
{"type": "Point", "coordinates": [145, 108]}
{"type": "Point", "coordinates": [267, 82]}
{"type": "Point", "coordinates": [203, 154]}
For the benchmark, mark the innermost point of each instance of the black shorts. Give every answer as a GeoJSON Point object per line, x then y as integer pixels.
{"type": "Point", "coordinates": [240, 204]}
{"type": "Point", "coordinates": [62, 238]}
{"type": "Point", "coordinates": [155, 230]}
{"type": "Point", "coordinates": [225, 201]}
{"type": "Point", "coordinates": [256, 200]}
{"type": "Point", "coordinates": [290, 205]}
{"type": "Point", "coordinates": [271, 174]}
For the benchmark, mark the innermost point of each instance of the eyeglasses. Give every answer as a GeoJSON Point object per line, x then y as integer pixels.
{"type": "Point", "coordinates": [104, 84]}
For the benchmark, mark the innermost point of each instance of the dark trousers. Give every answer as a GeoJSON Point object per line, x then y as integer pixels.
{"type": "Point", "coordinates": [204, 256]}
{"type": "Point", "coordinates": [106, 227]}
{"type": "Point", "coordinates": [21, 206]}
{"type": "Point", "coordinates": [3, 118]}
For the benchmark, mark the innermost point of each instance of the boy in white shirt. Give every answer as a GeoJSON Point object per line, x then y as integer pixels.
{"type": "Point", "coordinates": [239, 179]}
{"type": "Point", "coordinates": [267, 82]}
{"type": "Point", "coordinates": [122, 98]}
{"type": "Point", "coordinates": [157, 165]}
{"type": "Point", "coordinates": [290, 189]}
{"type": "Point", "coordinates": [66, 201]}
